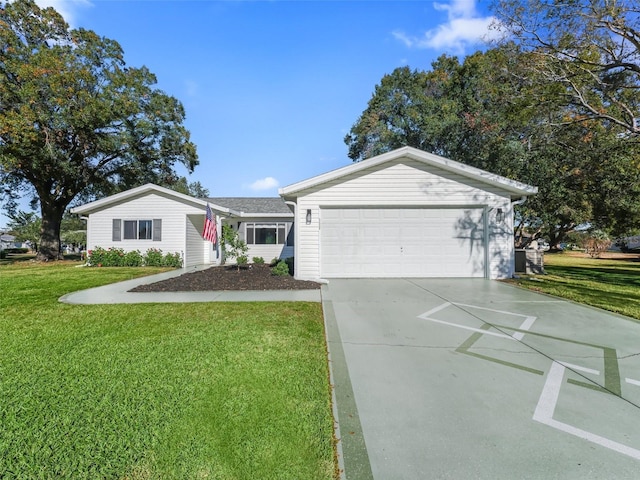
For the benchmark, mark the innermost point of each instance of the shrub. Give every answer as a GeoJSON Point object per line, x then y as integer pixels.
{"type": "Point", "coordinates": [133, 259]}
{"type": "Point", "coordinates": [242, 260]}
{"type": "Point", "coordinates": [172, 260]}
{"type": "Point", "coordinates": [154, 258]}
{"type": "Point", "coordinates": [20, 250]}
{"type": "Point", "coordinates": [96, 256]}
{"type": "Point", "coordinates": [258, 260]}
{"type": "Point", "coordinates": [3, 254]}
{"type": "Point", "coordinates": [281, 269]}
{"type": "Point", "coordinates": [116, 257]}
{"type": "Point", "coordinates": [290, 263]}
{"type": "Point", "coordinates": [274, 262]}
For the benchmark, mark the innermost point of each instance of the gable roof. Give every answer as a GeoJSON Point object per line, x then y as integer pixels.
{"type": "Point", "coordinates": [233, 206]}
{"type": "Point", "coordinates": [516, 188]}
{"type": "Point", "coordinates": [91, 207]}
{"type": "Point", "coordinates": [254, 206]}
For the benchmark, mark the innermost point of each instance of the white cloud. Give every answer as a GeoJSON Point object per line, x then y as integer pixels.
{"type": "Point", "coordinates": [66, 8]}
{"type": "Point", "coordinates": [464, 27]}
{"type": "Point", "coordinates": [266, 183]}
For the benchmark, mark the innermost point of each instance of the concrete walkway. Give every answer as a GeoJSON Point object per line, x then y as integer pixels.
{"type": "Point", "coordinates": [119, 293]}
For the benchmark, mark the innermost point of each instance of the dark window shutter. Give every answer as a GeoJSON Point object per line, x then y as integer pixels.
{"type": "Point", "coordinates": [116, 232]}
{"type": "Point", "coordinates": [157, 230]}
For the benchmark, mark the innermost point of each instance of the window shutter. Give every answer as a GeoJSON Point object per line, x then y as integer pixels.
{"type": "Point", "coordinates": [157, 229]}
{"type": "Point", "coordinates": [116, 231]}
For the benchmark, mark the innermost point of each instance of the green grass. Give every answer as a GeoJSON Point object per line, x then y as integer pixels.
{"type": "Point", "coordinates": [612, 285]}
{"type": "Point", "coordinates": [157, 391]}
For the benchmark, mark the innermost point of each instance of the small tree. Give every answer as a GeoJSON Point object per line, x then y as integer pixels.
{"type": "Point", "coordinates": [26, 226]}
{"type": "Point", "coordinates": [597, 243]}
{"type": "Point", "coordinates": [234, 247]}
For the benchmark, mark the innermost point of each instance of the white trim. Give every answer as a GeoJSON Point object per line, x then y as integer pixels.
{"type": "Point", "coordinates": [513, 186]}
{"type": "Point", "coordinates": [264, 215]}
{"type": "Point", "coordinates": [141, 190]}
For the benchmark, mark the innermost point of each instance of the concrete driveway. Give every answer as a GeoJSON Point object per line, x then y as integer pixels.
{"type": "Point", "coordinates": [475, 379]}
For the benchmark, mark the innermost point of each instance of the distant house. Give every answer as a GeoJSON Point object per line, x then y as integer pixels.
{"type": "Point", "coordinates": [406, 213]}
{"type": "Point", "coordinates": [8, 241]}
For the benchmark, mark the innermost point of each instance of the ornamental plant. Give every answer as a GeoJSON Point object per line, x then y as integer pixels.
{"type": "Point", "coordinates": [116, 257]}
{"type": "Point", "coordinates": [281, 269]}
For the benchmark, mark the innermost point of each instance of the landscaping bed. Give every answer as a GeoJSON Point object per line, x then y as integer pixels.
{"type": "Point", "coordinates": [251, 277]}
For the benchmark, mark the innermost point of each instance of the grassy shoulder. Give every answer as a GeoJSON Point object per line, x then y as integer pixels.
{"type": "Point", "coordinates": [227, 390]}
{"type": "Point", "coordinates": [611, 283]}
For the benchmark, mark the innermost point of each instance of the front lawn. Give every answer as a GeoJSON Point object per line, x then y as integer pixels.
{"type": "Point", "coordinates": [157, 391]}
{"type": "Point", "coordinates": [610, 284]}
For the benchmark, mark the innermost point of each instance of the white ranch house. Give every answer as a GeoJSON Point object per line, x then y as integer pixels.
{"type": "Point", "coordinates": [406, 213]}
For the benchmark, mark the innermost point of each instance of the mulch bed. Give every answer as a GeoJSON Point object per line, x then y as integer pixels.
{"type": "Point", "coordinates": [254, 277]}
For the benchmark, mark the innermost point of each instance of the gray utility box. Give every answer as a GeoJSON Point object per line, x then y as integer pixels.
{"type": "Point", "coordinates": [529, 261]}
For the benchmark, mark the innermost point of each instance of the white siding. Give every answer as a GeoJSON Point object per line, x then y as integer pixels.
{"type": "Point", "coordinates": [146, 207]}
{"type": "Point", "coordinates": [195, 253]}
{"type": "Point", "coordinates": [405, 183]}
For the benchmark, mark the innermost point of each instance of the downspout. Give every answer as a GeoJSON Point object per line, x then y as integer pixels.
{"type": "Point", "coordinates": [523, 199]}
{"type": "Point", "coordinates": [519, 202]}
{"type": "Point", "coordinates": [296, 226]}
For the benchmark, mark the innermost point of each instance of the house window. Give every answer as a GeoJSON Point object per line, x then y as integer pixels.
{"type": "Point", "coordinates": [138, 229]}
{"type": "Point", "coordinates": [266, 233]}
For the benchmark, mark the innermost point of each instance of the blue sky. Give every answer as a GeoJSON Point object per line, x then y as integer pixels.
{"type": "Point", "coordinates": [271, 88]}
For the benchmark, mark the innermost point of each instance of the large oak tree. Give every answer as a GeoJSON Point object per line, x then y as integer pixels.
{"type": "Point", "coordinates": [75, 121]}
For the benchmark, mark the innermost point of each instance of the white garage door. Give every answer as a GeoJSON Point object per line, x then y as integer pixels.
{"type": "Point", "coordinates": [399, 242]}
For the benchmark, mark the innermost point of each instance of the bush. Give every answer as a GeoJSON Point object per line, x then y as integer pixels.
{"type": "Point", "coordinates": [3, 254]}
{"type": "Point", "coordinates": [172, 260]}
{"type": "Point", "coordinates": [281, 269]}
{"type": "Point", "coordinates": [274, 262]}
{"type": "Point", "coordinates": [133, 259]}
{"type": "Point", "coordinates": [96, 257]}
{"type": "Point", "coordinates": [14, 250]}
{"type": "Point", "coordinates": [258, 260]}
{"type": "Point", "coordinates": [154, 258]}
{"type": "Point", "coordinates": [116, 257]}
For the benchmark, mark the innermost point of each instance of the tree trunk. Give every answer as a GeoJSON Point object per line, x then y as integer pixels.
{"type": "Point", "coordinates": [49, 248]}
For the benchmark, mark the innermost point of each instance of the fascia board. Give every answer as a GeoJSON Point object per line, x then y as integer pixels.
{"type": "Point", "coordinates": [511, 186]}
{"type": "Point", "coordinates": [141, 190]}
{"type": "Point", "coordinates": [265, 215]}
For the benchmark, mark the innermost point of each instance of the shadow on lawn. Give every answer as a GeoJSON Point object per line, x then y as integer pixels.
{"type": "Point", "coordinates": [629, 276]}
{"type": "Point", "coordinates": [19, 258]}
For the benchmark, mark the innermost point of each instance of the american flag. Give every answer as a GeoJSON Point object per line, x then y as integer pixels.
{"type": "Point", "coordinates": [210, 233]}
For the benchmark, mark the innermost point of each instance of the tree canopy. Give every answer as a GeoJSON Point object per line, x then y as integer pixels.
{"type": "Point", "coordinates": [591, 48]}
{"type": "Point", "coordinates": [75, 121]}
